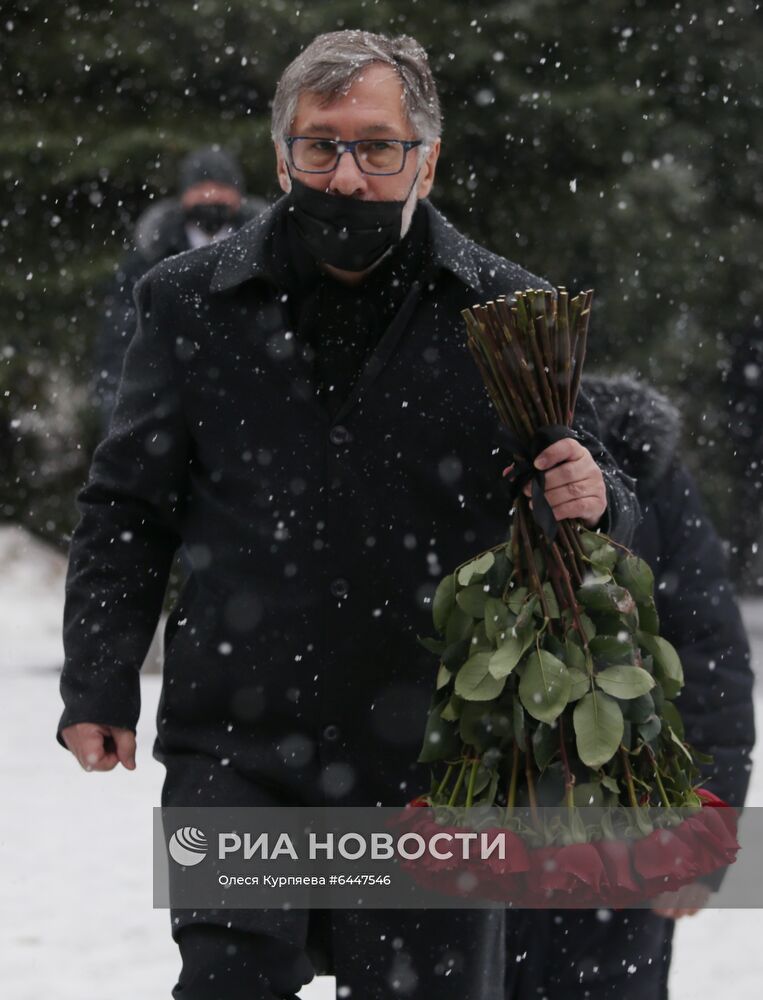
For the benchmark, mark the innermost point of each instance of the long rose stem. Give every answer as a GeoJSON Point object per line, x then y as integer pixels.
{"type": "Point", "coordinates": [531, 568]}
{"type": "Point", "coordinates": [628, 777]}
{"type": "Point", "coordinates": [459, 782]}
{"type": "Point", "coordinates": [571, 599]}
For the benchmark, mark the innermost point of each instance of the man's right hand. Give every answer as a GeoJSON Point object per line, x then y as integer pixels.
{"type": "Point", "coordinates": [100, 748]}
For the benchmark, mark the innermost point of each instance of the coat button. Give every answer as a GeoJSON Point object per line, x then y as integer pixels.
{"type": "Point", "coordinates": [331, 732]}
{"type": "Point", "coordinates": [339, 587]}
{"type": "Point", "coordinates": [339, 434]}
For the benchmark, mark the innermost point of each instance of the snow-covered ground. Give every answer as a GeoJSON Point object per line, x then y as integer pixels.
{"type": "Point", "coordinates": [75, 848]}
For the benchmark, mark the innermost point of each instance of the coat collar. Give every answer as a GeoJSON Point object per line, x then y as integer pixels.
{"type": "Point", "coordinates": [244, 255]}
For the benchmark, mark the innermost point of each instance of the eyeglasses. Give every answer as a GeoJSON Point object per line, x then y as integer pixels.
{"type": "Point", "coordinates": [312, 155]}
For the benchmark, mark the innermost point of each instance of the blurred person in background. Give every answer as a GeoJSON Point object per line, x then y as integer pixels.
{"type": "Point", "coordinates": [211, 203]}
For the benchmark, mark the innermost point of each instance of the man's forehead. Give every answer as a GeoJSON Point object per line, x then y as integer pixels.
{"type": "Point", "coordinates": [328, 128]}
{"type": "Point", "coordinates": [374, 101]}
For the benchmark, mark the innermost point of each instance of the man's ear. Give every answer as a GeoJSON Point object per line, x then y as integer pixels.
{"type": "Point", "coordinates": [426, 180]}
{"type": "Point", "coordinates": [282, 169]}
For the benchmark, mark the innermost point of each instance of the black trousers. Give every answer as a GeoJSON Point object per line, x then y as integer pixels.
{"type": "Point", "coordinates": [237, 954]}
{"type": "Point", "coordinates": [588, 955]}
{"type": "Point", "coordinates": [552, 955]}
{"type": "Point", "coordinates": [224, 963]}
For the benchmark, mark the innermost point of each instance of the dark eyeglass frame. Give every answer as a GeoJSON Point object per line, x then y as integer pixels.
{"type": "Point", "coordinates": [348, 146]}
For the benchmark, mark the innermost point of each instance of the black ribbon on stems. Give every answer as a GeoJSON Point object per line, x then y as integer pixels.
{"type": "Point", "coordinates": [524, 471]}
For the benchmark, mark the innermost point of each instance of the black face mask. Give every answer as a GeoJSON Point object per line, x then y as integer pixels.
{"type": "Point", "coordinates": [210, 218]}
{"type": "Point", "coordinates": [342, 231]}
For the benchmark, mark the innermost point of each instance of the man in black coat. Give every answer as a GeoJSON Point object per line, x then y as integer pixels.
{"type": "Point", "coordinates": [626, 954]}
{"type": "Point", "coordinates": [300, 411]}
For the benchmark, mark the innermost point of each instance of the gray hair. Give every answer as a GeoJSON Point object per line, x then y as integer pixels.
{"type": "Point", "coordinates": [333, 60]}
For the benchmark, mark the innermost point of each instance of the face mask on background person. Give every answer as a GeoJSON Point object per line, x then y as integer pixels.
{"type": "Point", "coordinates": [206, 223]}
{"type": "Point", "coordinates": [346, 232]}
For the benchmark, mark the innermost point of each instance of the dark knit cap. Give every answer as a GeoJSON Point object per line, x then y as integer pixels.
{"type": "Point", "coordinates": [210, 164]}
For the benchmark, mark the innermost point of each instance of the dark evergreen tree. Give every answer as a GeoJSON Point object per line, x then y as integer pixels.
{"type": "Point", "coordinates": [608, 145]}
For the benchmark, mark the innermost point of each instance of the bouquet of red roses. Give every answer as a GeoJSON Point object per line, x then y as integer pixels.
{"type": "Point", "coordinates": [554, 686]}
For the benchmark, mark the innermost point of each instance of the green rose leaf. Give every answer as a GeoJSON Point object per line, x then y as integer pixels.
{"type": "Point", "coordinates": [484, 725]}
{"type": "Point", "coordinates": [544, 688]}
{"type": "Point", "coordinates": [604, 558]}
{"type": "Point", "coordinates": [459, 625]}
{"type": "Point", "coordinates": [636, 576]}
{"type": "Point", "coordinates": [611, 785]}
{"type": "Point", "coordinates": [443, 602]}
{"type": "Point", "coordinates": [555, 646]}
{"type": "Point", "coordinates": [660, 705]}
{"type": "Point", "coordinates": [608, 650]}
{"type": "Point", "coordinates": [496, 618]}
{"type": "Point", "coordinates": [456, 653]}
{"type": "Point", "coordinates": [606, 597]}
{"type": "Point", "coordinates": [476, 569]}
{"type": "Point", "coordinates": [509, 653]}
{"type": "Point", "coordinates": [667, 663]}
{"type": "Point", "coordinates": [545, 743]}
{"type": "Point", "coordinates": [452, 710]}
{"type": "Point", "coordinates": [648, 619]}
{"type": "Point", "coordinates": [443, 676]}
{"type": "Point", "coordinates": [680, 744]}
{"type": "Point", "coordinates": [580, 684]}
{"type": "Point", "coordinates": [650, 729]}
{"type": "Point", "coordinates": [574, 656]}
{"type": "Point", "coordinates": [639, 709]}
{"type": "Point", "coordinates": [525, 616]}
{"type": "Point", "coordinates": [436, 646]}
{"type": "Point", "coordinates": [673, 718]}
{"type": "Point", "coordinates": [472, 600]}
{"type": "Point", "coordinates": [498, 575]}
{"type": "Point", "coordinates": [480, 640]}
{"type": "Point", "coordinates": [484, 778]}
{"type": "Point", "coordinates": [491, 788]}
{"type": "Point", "coordinates": [441, 739]}
{"type": "Point", "coordinates": [624, 681]}
{"type": "Point", "coordinates": [517, 598]}
{"type": "Point", "coordinates": [611, 624]}
{"type": "Point", "coordinates": [599, 728]}
{"type": "Point", "coordinates": [589, 629]}
{"type": "Point", "coordinates": [591, 542]}
{"type": "Point", "coordinates": [551, 602]}
{"type": "Point", "coordinates": [474, 682]}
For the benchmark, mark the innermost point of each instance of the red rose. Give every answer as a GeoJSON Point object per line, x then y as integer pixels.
{"type": "Point", "coordinates": [663, 861]}
{"type": "Point", "coordinates": [574, 871]}
{"type": "Point", "coordinates": [617, 858]}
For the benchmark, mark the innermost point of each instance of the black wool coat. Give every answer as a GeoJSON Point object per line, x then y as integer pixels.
{"type": "Point", "coordinates": [315, 544]}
